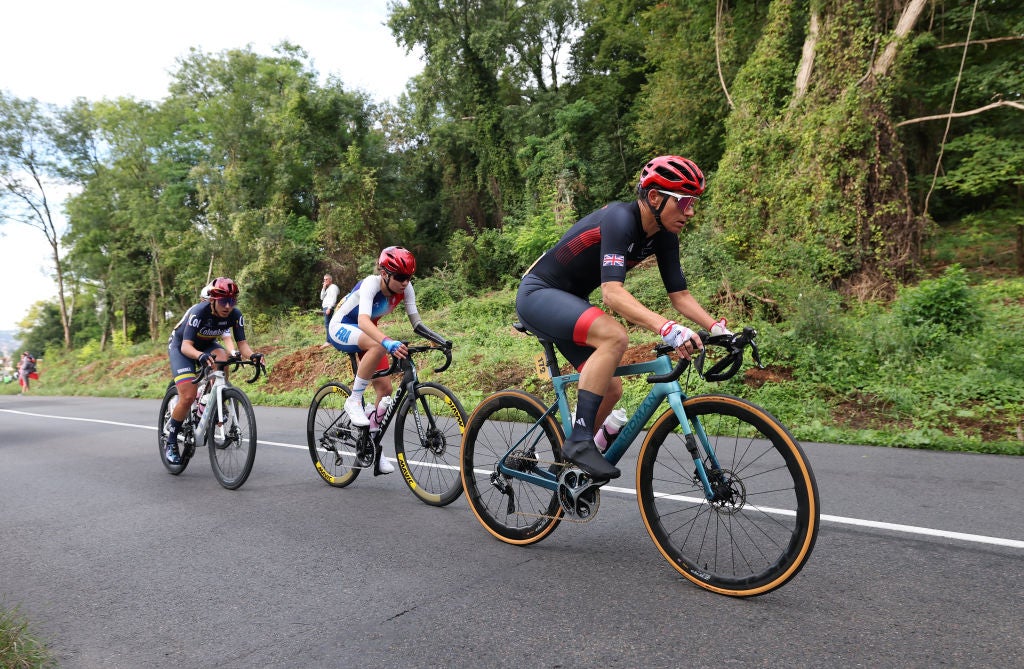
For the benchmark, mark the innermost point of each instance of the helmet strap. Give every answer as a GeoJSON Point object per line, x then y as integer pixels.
{"type": "Point", "coordinates": [657, 213]}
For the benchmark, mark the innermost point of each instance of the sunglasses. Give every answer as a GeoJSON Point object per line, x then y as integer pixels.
{"type": "Point", "coordinates": [682, 201]}
{"type": "Point", "coordinates": [399, 277]}
{"type": "Point", "coordinates": [225, 302]}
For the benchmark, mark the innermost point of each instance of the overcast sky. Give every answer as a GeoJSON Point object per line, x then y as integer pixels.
{"type": "Point", "coordinates": [57, 50]}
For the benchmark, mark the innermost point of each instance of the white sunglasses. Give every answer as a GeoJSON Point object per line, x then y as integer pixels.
{"type": "Point", "coordinates": [682, 201]}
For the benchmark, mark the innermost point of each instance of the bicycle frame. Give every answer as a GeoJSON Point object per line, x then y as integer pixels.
{"type": "Point", "coordinates": [409, 380]}
{"type": "Point", "coordinates": [217, 382]}
{"type": "Point", "coordinates": [660, 391]}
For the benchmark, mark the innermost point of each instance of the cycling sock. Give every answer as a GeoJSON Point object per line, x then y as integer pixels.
{"type": "Point", "coordinates": [173, 426]}
{"type": "Point", "coordinates": [587, 404]}
{"type": "Point", "coordinates": [359, 386]}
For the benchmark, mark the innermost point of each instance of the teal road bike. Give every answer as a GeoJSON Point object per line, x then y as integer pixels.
{"type": "Point", "coordinates": [724, 489]}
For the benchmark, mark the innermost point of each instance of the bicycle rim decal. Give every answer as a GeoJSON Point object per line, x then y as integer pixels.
{"type": "Point", "coordinates": [404, 466]}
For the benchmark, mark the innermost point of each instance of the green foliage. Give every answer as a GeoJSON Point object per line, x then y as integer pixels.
{"type": "Point", "coordinates": [939, 306]}
{"type": "Point", "coordinates": [486, 260]}
{"type": "Point", "coordinates": [20, 648]}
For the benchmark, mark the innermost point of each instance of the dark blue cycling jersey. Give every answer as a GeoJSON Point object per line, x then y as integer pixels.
{"type": "Point", "coordinates": [602, 246]}
{"type": "Point", "coordinates": [203, 327]}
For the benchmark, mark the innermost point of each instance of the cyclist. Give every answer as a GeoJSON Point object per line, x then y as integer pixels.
{"type": "Point", "coordinates": [353, 329]}
{"type": "Point", "coordinates": [598, 250]}
{"type": "Point", "coordinates": [194, 342]}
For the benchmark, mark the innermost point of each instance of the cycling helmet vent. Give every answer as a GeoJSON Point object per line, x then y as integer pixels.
{"type": "Point", "coordinates": [223, 287]}
{"type": "Point", "coordinates": [397, 260]}
{"type": "Point", "coordinates": [674, 173]}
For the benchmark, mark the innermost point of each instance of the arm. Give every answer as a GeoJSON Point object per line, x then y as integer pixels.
{"type": "Point", "coordinates": [686, 304]}
{"type": "Point", "coordinates": [621, 301]}
{"type": "Point", "coordinates": [189, 350]}
{"type": "Point", "coordinates": [245, 349]}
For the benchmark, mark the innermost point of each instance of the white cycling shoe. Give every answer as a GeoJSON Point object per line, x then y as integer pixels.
{"type": "Point", "coordinates": [355, 411]}
{"type": "Point", "coordinates": [384, 465]}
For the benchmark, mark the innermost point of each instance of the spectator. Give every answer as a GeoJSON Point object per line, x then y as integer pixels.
{"type": "Point", "coordinates": [26, 371]}
{"type": "Point", "coordinates": [329, 295]}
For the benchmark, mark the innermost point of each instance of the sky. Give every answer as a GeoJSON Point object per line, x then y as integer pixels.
{"type": "Point", "coordinates": [57, 50]}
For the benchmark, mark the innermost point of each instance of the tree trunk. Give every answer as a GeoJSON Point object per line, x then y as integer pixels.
{"type": "Point", "coordinates": [906, 23]}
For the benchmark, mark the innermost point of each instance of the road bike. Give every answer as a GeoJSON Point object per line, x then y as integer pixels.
{"type": "Point", "coordinates": [429, 422]}
{"type": "Point", "coordinates": [724, 489]}
{"type": "Point", "coordinates": [221, 417]}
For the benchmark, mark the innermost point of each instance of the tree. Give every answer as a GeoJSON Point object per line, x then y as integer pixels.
{"type": "Point", "coordinates": [30, 173]}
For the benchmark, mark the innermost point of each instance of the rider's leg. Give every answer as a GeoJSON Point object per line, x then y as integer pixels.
{"type": "Point", "coordinates": [373, 353]}
{"type": "Point", "coordinates": [596, 392]}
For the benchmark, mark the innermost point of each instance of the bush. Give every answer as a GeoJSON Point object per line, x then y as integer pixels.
{"type": "Point", "coordinates": [946, 301]}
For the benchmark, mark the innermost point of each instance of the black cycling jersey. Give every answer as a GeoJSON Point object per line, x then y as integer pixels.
{"type": "Point", "coordinates": [203, 327]}
{"type": "Point", "coordinates": [602, 246]}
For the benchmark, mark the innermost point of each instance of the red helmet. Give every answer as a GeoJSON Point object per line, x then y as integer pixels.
{"type": "Point", "coordinates": [674, 173]}
{"type": "Point", "coordinates": [397, 260]}
{"type": "Point", "coordinates": [223, 287]}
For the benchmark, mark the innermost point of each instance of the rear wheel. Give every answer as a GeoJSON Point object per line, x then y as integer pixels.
{"type": "Point", "coordinates": [428, 434]}
{"type": "Point", "coordinates": [339, 450]}
{"type": "Point", "coordinates": [231, 438]}
{"type": "Point", "coordinates": [760, 527]}
{"type": "Point", "coordinates": [166, 407]}
{"type": "Point", "coordinates": [513, 510]}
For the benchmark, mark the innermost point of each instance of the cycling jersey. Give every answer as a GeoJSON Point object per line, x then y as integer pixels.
{"type": "Point", "coordinates": [553, 296]}
{"type": "Point", "coordinates": [367, 297]}
{"type": "Point", "coordinates": [602, 246]}
{"type": "Point", "coordinates": [202, 327]}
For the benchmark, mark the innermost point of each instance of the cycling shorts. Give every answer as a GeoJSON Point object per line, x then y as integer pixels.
{"type": "Point", "coordinates": [557, 315]}
{"type": "Point", "coordinates": [184, 368]}
{"type": "Point", "coordinates": [344, 337]}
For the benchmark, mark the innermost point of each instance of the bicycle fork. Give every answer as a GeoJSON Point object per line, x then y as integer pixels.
{"type": "Point", "coordinates": [716, 488]}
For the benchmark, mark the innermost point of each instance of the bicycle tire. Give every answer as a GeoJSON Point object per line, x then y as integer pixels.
{"type": "Point", "coordinates": [232, 445]}
{"type": "Point", "coordinates": [428, 449]}
{"type": "Point", "coordinates": [332, 440]}
{"type": "Point", "coordinates": [494, 427]}
{"type": "Point", "coordinates": [758, 538]}
{"type": "Point", "coordinates": [166, 406]}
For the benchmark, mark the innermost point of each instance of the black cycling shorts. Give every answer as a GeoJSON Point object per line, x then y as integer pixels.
{"type": "Point", "coordinates": [557, 315]}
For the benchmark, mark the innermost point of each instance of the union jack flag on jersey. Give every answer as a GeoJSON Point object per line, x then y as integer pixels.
{"type": "Point", "coordinates": [613, 260]}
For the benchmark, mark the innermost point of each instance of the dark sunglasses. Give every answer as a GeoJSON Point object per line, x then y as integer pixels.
{"type": "Point", "coordinates": [224, 302]}
{"type": "Point", "coordinates": [399, 277]}
{"type": "Point", "coordinates": [682, 201]}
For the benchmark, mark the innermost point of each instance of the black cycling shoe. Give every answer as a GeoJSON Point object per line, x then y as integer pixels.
{"type": "Point", "coordinates": [171, 452]}
{"type": "Point", "coordinates": [584, 454]}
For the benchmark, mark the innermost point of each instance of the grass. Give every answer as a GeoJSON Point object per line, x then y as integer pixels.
{"type": "Point", "coordinates": [19, 647]}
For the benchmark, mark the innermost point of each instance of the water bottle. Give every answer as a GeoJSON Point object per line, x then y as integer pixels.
{"type": "Point", "coordinates": [204, 398]}
{"type": "Point", "coordinates": [606, 433]}
{"type": "Point", "coordinates": [376, 414]}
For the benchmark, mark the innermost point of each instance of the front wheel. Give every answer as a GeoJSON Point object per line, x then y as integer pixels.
{"type": "Point", "coordinates": [231, 438]}
{"type": "Point", "coordinates": [760, 526]}
{"type": "Point", "coordinates": [428, 433]}
{"type": "Point", "coordinates": [512, 422]}
{"type": "Point", "coordinates": [339, 450]}
{"type": "Point", "coordinates": [166, 407]}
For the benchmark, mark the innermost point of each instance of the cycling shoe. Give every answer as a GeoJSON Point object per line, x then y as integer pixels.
{"type": "Point", "coordinates": [584, 454]}
{"type": "Point", "coordinates": [171, 452]}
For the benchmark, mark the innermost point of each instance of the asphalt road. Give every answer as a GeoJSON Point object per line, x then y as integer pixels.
{"type": "Point", "coordinates": [919, 563]}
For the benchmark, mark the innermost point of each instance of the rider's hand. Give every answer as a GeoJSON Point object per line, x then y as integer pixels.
{"type": "Point", "coordinates": [719, 328]}
{"type": "Point", "coordinates": [676, 336]}
{"type": "Point", "coordinates": [395, 348]}
{"type": "Point", "coordinates": [256, 358]}
{"type": "Point", "coordinates": [205, 360]}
